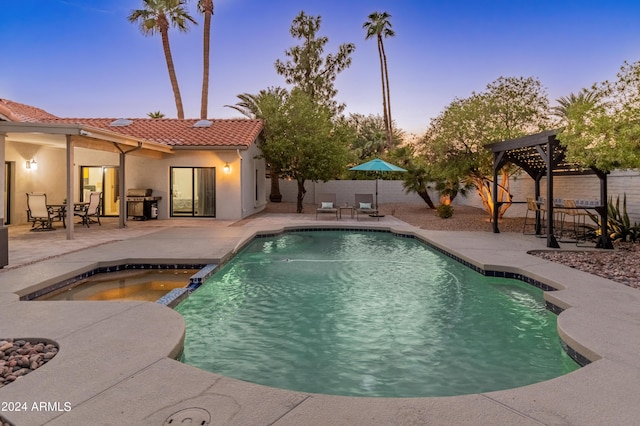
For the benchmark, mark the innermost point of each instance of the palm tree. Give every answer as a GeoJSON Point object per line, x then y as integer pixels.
{"type": "Point", "coordinates": [584, 99]}
{"type": "Point", "coordinates": [256, 106]}
{"type": "Point", "coordinates": [155, 114]}
{"type": "Point", "coordinates": [157, 16]}
{"type": "Point", "coordinates": [266, 105]}
{"type": "Point", "coordinates": [379, 26]}
{"type": "Point", "coordinates": [206, 8]}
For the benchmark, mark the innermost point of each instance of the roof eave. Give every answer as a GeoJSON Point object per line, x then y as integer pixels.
{"type": "Point", "coordinates": [82, 130]}
{"type": "Point", "coordinates": [119, 138]}
{"type": "Point", "coordinates": [211, 147]}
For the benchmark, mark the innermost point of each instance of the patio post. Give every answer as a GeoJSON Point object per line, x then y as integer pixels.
{"type": "Point", "coordinates": [537, 198]}
{"type": "Point", "coordinates": [123, 204]}
{"type": "Point", "coordinates": [494, 191]}
{"type": "Point", "coordinates": [604, 241]}
{"type": "Point", "coordinates": [4, 233]}
{"type": "Point", "coordinates": [69, 187]}
{"type": "Point", "coordinates": [551, 239]}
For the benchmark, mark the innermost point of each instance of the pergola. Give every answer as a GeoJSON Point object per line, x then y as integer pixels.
{"type": "Point", "coordinates": [542, 155]}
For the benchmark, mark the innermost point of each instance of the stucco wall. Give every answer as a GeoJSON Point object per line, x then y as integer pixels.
{"type": "Point", "coordinates": [254, 193]}
{"type": "Point", "coordinates": [389, 191]}
{"type": "Point", "coordinates": [51, 170]}
{"type": "Point", "coordinates": [141, 172]}
{"type": "Point", "coordinates": [585, 187]}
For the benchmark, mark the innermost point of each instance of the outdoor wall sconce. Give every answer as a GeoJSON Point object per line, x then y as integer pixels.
{"type": "Point", "coordinates": [226, 168]}
{"type": "Point", "coordinates": [31, 165]}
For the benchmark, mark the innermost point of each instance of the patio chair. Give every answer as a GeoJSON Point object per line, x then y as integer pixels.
{"type": "Point", "coordinates": [91, 210]}
{"type": "Point", "coordinates": [578, 221]}
{"type": "Point", "coordinates": [537, 210]}
{"type": "Point", "coordinates": [364, 205]}
{"type": "Point", "coordinates": [327, 205]}
{"type": "Point", "coordinates": [38, 213]}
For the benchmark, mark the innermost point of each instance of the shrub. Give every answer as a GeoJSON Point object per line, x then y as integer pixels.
{"type": "Point", "coordinates": [618, 222]}
{"type": "Point", "coordinates": [444, 211]}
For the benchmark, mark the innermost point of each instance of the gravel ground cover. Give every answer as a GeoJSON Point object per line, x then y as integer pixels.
{"type": "Point", "coordinates": [621, 264]}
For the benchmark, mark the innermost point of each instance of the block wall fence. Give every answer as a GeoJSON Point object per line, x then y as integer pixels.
{"type": "Point", "coordinates": [585, 187]}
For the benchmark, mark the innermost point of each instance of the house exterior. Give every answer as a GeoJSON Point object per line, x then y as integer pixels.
{"type": "Point", "coordinates": [199, 168]}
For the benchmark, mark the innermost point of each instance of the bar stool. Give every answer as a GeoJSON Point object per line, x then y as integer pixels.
{"type": "Point", "coordinates": [537, 210]}
{"type": "Point", "coordinates": [578, 220]}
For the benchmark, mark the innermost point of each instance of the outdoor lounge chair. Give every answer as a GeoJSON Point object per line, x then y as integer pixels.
{"type": "Point", "coordinates": [91, 210]}
{"type": "Point", "coordinates": [327, 205]}
{"type": "Point", "coordinates": [38, 213]}
{"type": "Point", "coordinates": [364, 205]}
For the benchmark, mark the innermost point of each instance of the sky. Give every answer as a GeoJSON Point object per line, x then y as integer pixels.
{"type": "Point", "coordinates": [82, 58]}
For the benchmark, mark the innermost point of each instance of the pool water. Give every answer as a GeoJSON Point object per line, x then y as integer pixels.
{"type": "Point", "coordinates": [368, 314]}
{"type": "Point", "coordinates": [146, 285]}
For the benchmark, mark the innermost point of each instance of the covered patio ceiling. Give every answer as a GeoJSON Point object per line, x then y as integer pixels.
{"type": "Point", "coordinates": [70, 136]}
{"type": "Point", "coordinates": [83, 136]}
{"type": "Point", "coordinates": [540, 155]}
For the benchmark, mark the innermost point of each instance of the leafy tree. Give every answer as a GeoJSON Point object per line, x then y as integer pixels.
{"type": "Point", "coordinates": [307, 69]}
{"type": "Point", "coordinates": [449, 189]}
{"type": "Point", "coordinates": [605, 133]}
{"type": "Point", "coordinates": [370, 136]}
{"type": "Point", "coordinates": [157, 16]}
{"type": "Point", "coordinates": [206, 8]}
{"type": "Point", "coordinates": [422, 175]}
{"type": "Point", "coordinates": [305, 144]}
{"type": "Point", "coordinates": [508, 108]}
{"type": "Point", "coordinates": [378, 26]}
{"type": "Point", "coordinates": [267, 105]}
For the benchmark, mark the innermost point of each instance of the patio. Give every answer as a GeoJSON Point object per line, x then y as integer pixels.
{"type": "Point", "coordinates": [119, 374]}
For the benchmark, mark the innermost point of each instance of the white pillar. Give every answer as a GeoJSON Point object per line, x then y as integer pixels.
{"type": "Point", "coordinates": [70, 186]}
{"type": "Point", "coordinates": [122, 220]}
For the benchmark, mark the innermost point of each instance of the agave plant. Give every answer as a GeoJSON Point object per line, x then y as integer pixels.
{"type": "Point", "coordinates": [618, 222]}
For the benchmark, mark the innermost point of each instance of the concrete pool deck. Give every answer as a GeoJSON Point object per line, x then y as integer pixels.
{"type": "Point", "coordinates": [115, 363]}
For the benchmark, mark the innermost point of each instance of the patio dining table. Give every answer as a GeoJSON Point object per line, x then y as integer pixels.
{"type": "Point", "coordinates": [58, 213]}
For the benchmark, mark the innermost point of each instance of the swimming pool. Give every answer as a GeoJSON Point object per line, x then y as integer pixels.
{"type": "Point", "coordinates": [368, 314]}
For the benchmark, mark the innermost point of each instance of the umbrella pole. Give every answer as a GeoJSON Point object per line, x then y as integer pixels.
{"type": "Point", "coordinates": [376, 192]}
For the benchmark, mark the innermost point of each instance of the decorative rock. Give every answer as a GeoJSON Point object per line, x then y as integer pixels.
{"type": "Point", "coordinates": [21, 372]}
{"type": "Point", "coordinates": [617, 265]}
{"type": "Point", "coordinates": [20, 357]}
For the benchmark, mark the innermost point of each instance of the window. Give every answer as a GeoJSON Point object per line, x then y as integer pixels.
{"type": "Point", "coordinates": [193, 191]}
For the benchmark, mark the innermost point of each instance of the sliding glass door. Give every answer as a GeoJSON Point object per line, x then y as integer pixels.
{"type": "Point", "coordinates": [193, 191]}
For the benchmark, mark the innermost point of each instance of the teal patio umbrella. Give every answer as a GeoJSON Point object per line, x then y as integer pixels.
{"type": "Point", "coordinates": [377, 165]}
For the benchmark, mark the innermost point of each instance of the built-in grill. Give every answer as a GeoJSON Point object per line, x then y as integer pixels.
{"type": "Point", "coordinates": [141, 204]}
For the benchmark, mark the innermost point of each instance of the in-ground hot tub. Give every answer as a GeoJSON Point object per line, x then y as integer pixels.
{"type": "Point", "coordinates": [135, 284]}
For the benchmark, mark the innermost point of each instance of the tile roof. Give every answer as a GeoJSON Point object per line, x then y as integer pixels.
{"type": "Point", "coordinates": [14, 111]}
{"type": "Point", "coordinates": [232, 133]}
{"type": "Point", "coordinates": [179, 133]}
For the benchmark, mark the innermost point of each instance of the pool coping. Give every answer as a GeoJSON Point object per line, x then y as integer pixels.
{"type": "Point", "coordinates": [599, 319]}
